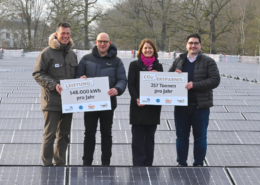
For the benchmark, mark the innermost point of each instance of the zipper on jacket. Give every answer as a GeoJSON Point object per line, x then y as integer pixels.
{"type": "Point", "coordinates": [64, 55]}
{"type": "Point", "coordinates": [100, 67]}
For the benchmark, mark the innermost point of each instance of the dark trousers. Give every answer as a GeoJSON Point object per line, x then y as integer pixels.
{"type": "Point", "coordinates": [143, 144]}
{"type": "Point", "coordinates": [91, 121]}
{"type": "Point", "coordinates": [185, 118]}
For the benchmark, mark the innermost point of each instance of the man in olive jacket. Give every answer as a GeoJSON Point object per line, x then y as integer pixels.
{"type": "Point", "coordinates": [203, 76]}
{"type": "Point", "coordinates": [55, 63]}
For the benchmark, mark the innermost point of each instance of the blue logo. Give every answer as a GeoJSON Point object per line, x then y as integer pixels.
{"type": "Point", "coordinates": [157, 100]}
{"type": "Point", "coordinates": [80, 107]}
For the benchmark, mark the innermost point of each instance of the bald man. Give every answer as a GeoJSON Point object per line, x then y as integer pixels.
{"type": "Point", "coordinates": [102, 62]}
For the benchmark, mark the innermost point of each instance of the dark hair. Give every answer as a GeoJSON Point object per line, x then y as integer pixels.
{"type": "Point", "coordinates": [142, 45]}
{"type": "Point", "coordinates": [62, 24]}
{"type": "Point", "coordinates": [194, 35]}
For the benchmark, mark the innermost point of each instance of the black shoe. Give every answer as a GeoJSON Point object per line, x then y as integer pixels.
{"type": "Point", "coordinates": [182, 165]}
{"type": "Point", "coordinates": [198, 165]}
{"type": "Point", "coordinates": [105, 164]}
{"type": "Point", "coordinates": [87, 163]}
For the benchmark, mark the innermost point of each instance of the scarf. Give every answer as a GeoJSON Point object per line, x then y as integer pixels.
{"type": "Point", "coordinates": [148, 62]}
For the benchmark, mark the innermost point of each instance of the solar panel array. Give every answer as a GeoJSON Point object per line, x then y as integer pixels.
{"type": "Point", "coordinates": [233, 154]}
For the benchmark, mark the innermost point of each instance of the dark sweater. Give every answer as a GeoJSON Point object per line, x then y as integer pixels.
{"type": "Point", "coordinates": [189, 68]}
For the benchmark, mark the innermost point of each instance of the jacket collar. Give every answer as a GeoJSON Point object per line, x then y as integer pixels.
{"type": "Point", "coordinates": [54, 43]}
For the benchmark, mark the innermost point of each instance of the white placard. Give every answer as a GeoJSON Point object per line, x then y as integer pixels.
{"type": "Point", "coordinates": [83, 95]}
{"type": "Point", "coordinates": [163, 88]}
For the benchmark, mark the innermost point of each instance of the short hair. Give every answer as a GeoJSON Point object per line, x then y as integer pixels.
{"type": "Point", "coordinates": [62, 24]}
{"type": "Point", "coordinates": [194, 35]}
{"type": "Point", "coordinates": [142, 45]}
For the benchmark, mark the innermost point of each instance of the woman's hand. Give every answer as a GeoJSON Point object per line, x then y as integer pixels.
{"type": "Point", "coordinates": [153, 71]}
{"type": "Point", "coordinates": [178, 71]}
{"type": "Point", "coordinates": [138, 103]}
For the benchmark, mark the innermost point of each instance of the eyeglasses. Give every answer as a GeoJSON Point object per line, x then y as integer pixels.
{"type": "Point", "coordinates": [195, 43]}
{"type": "Point", "coordinates": [104, 41]}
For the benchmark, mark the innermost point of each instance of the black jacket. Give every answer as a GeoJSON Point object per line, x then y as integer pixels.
{"type": "Point", "coordinates": [148, 114]}
{"type": "Point", "coordinates": [93, 65]}
{"type": "Point", "coordinates": [206, 77]}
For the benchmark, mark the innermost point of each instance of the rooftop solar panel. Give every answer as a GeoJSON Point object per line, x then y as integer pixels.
{"type": "Point", "coordinates": [229, 116]}
{"type": "Point", "coordinates": [243, 108]}
{"type": "Point", "coordinates": [20, 154]}
{"type": "Point", "coordinates": [147, 175]}
{"type": "Point", "coordinates": [21, 100]}
{"type": "Point", "coordinates": [236, 125]}
{"type": "Point", "coordinates": [233, 155]}
{"type": "Point", "coordinates": [32, 175]}
{"type": "Point", "coordinates": [164, 155]}
{"type": "Point", "coordinates": [249, 176]}
{"type": "Point", "coordinates": [252, 116]}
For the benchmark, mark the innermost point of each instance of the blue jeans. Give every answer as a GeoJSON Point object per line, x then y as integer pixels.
{"type": "Point", "coordinates": [185, 118]}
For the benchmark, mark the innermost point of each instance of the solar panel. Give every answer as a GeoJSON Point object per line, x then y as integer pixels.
{"type": "Point", "coordinates": [14, 114]}
{"type": "Point", "coordinates": [252, 102]}
{"type": "Point", "coordinates": [231, 125]}
{"type": "Point", "coordinates": [10, 124]}
{"type": "Point", "coordinates": [21, 100]}
{"type": "Point", "coordinates": [32, 95]}
{"type": "Point", "coordinates": [249, 176]}
{"type": "Point", "coordinates": [164, 155]}
{"type": "Point", "coordinates": [243, 108]}
{"type": "Point", "coordinates": [252, 116]}
{"type": "Point", "coordinates": [16, 107]}
{"type": "Point", "coordinates": [233, 155]}
{"type": "Point", "coordinates": [229, 116]}
{"type": "Point", "coordinates": [32, 175]}
{"type": "Point", "coordinates": [20, 154]}
{"type": "Point", "coordinates": [147, 175]}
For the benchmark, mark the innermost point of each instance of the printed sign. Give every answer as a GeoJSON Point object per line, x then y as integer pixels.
{"type": "Point", "coordinates": [163, 88]}
{"type": "Point", "coordinates": [82, 95]}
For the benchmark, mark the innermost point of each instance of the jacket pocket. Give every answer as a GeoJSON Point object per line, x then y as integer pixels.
{"type": "Point", "coordinates": [73, 69]}
{"type": "Point", "coordinates": [56, 70]}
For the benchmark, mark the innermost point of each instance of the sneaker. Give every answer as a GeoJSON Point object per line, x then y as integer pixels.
{"type": "Point", "coordinates": [87, 163]}
{"type": "Point", "coordinates": [182, 165]}
{"type": "Point", "coordinates": [197, 165]}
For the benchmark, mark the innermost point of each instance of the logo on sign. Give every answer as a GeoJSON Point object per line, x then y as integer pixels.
{"type": "Point", "coordinates": [78, 84]}
{"type": "Point", "coordinates": [147, 100]}
{"type": "Point", "coordinates": [157, 100]}
{"type": "Point", "coordinates": [181, 101]}
{"type": "Point", "coordinates": [103, 106]}
{"type": "Point", "coordinates": [91, 106]}
{"type": "Point", "coordinates": [69, 109]}
{"type": "Point", "coordinates": [80, 107]}
{"type": "Point", "coordinates": [168, 101]}
{"type": "Point", "coordinates": [149, 77]}
{"type": "Point", "coordinates": [170, 79]}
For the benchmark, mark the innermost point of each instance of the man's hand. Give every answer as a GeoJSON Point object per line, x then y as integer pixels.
{"type": "Point", "coordinates": [138, 103]}
{"type": "Point", "coordinates": [83, 77]}
{"type": "Point", "coordinates": [112, 92]}
{"type": "Point", "coordinates": [178, 71]}
{"type": "Point", "coordinates": [58, 88]}
{"type": "Point", "coordinates": [189, 85]}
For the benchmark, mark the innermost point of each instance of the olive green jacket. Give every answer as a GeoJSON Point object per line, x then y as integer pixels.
{"type": "Point", "coordinates": [55, 63]}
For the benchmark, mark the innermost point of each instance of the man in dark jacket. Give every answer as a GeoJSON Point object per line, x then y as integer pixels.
{"type": "Point", "coordinates": [102, 62]}
{"type": "Point", "coordinates": [55, 63]}
{"type": "Point", "coordinates": [203, 76]}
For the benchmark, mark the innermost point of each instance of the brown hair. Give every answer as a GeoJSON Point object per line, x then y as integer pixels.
{"type": "Point", "coordinates": [142, 45]}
